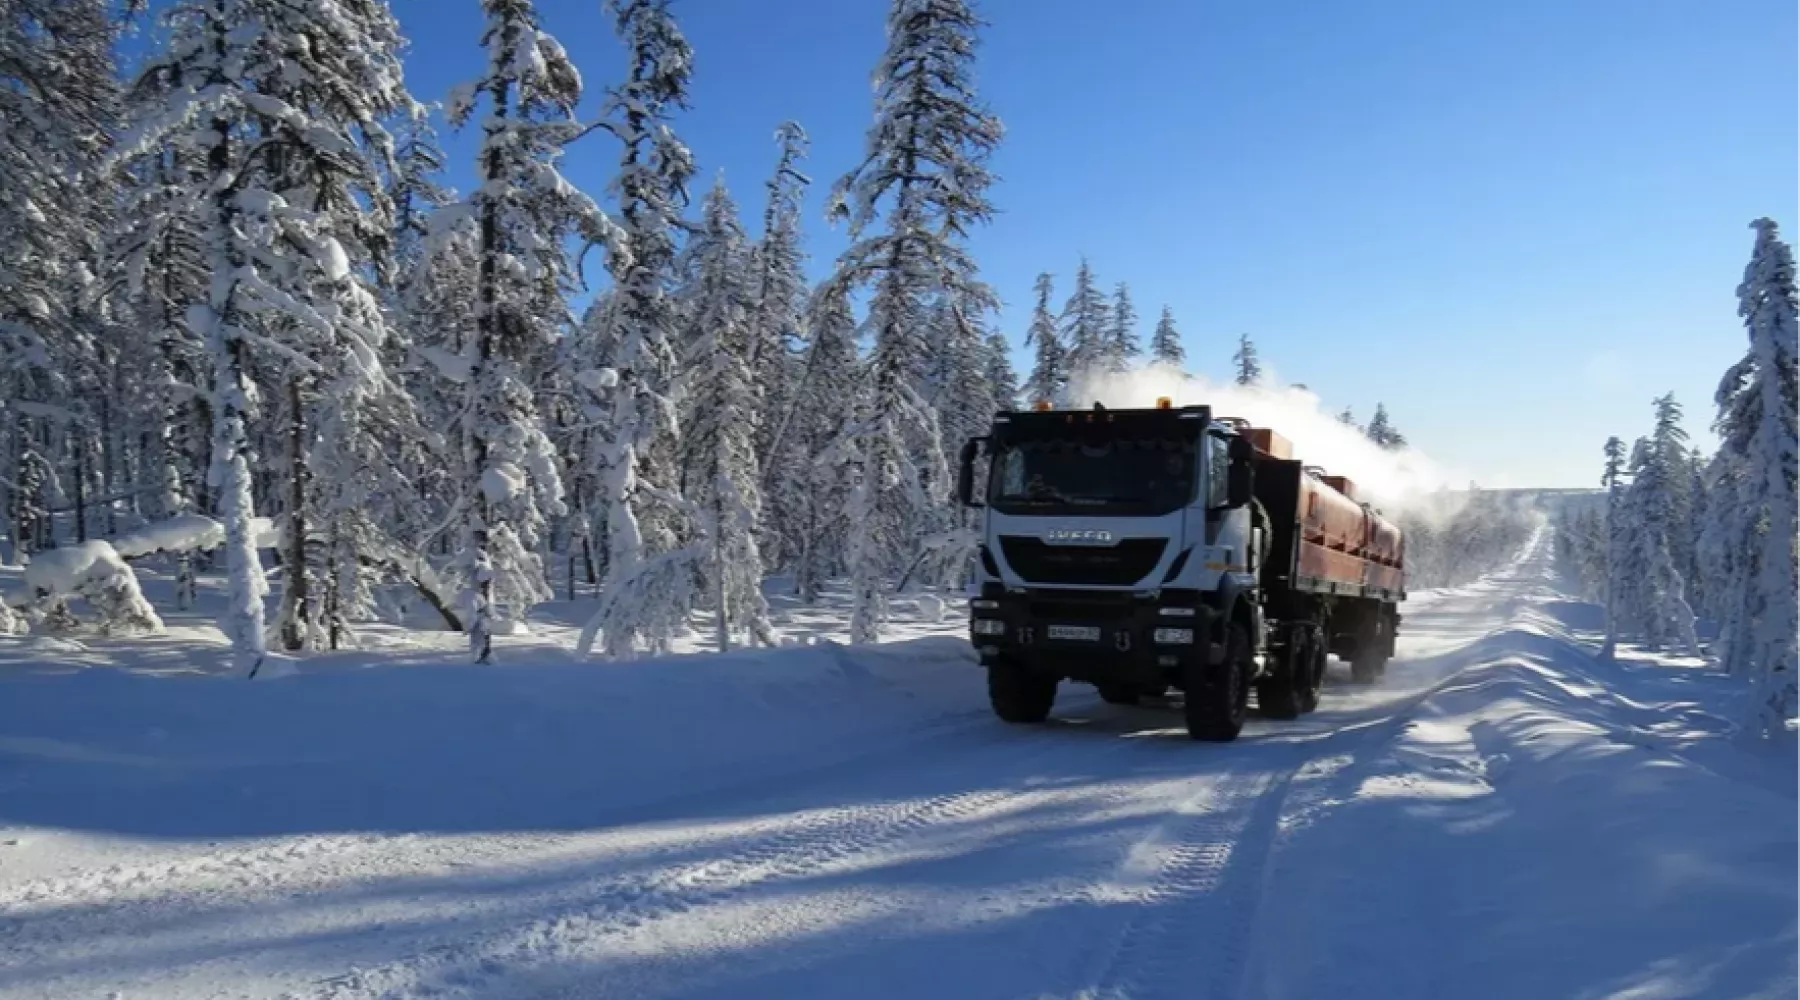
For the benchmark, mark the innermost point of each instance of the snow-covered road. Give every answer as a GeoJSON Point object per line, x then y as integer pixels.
{"type": "Point", "coordinates": [938, 854]}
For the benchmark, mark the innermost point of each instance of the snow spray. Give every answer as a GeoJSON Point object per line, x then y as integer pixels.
{"type": "Point", "coordinates": [1400, 480]}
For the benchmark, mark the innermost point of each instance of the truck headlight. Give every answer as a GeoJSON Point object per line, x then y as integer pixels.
{"type": "Point", "coordinates": [984, 604]}
{"type": "Point", "coordinates": [989, 626]}
{"type": "Point", "coordinates": [1173, 636]}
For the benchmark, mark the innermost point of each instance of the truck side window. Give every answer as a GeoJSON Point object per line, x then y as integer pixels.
{"type": "Point", "coordinates": [1218, 471]}
{"type": "Point", "coordinates": [1012, 472]}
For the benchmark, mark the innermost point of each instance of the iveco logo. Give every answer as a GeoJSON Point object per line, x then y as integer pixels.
{"type": "Point", "coordinates": [1079, 536]}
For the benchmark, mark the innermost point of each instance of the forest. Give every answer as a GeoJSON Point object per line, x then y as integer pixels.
{"type": "Point", "coordinates": [247, 328]}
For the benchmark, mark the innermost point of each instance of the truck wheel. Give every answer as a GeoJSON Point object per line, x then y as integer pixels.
{"type": "Point", "coordinates": [1218, 695]}
{"type": "Point", "coordinates": [1278, 694]}
{"type": "Point", "coordinates": [1020, 694]}
{"type": "Point", "coordinates": [1119, 694]}
{"type": "Point", "coordinates": [1315, 671]}
{"type": "Point", "coordinates": [1370, 661]}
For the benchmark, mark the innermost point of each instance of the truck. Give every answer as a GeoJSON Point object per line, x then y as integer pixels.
{"type": "Point", "coordinates": [1158, 548]}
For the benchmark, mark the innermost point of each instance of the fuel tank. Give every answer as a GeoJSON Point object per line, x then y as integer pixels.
{"type": "Point", "coordinates": [1332, 515]}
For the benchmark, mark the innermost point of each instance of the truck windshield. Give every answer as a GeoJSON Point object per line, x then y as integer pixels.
{"type": "Point", "coordinates": [1125, 475]}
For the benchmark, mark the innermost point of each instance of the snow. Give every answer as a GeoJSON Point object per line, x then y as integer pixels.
{"type": "Point", "coordinates": [597, 379]}
{"type": "Point", "coordinates": [502, 482]}
{"type": "Point", "coordinates": [330, 256]}
{"type": "Point", "coordinates": [92, 570]}
{"type": "Point", "coordinates": [188, 533]}
{"type": "Point", "coordinates": [60, 571]}
{"type": "Point", "coordinates": [1501, 817]}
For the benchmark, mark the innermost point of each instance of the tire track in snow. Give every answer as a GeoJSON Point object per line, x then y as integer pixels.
{"type": "Point", "coordinates": [100, 899]}
{"type": "Point", "coordinates": [503, 959]}
{"type": "Point", "coordinates": [798, 844]}
{"type": "Point", "coordinates": [1188, 932]}
{"type": "Point", "coordinates": [225, 870]}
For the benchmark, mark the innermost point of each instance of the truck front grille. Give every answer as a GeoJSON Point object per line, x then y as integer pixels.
{"type": "Point", "coordinates": [1119, 565]}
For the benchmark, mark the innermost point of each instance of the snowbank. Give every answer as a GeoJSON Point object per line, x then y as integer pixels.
{"type": "Point", "coordinates": [1541, 825]}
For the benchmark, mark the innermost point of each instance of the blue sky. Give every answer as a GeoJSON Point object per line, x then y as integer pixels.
{"type": "Point", "coordinates": [1513, 223]}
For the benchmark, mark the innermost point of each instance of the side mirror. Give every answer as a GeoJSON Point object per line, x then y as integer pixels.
{"type": "Point", "coordinates": [1240, 482]}
{"type": "Point", "coordinates": [965, 472]}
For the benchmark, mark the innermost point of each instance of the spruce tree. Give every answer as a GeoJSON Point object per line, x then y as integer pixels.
{"type": "Point", "coordinates": [779, 293]}
{"type": "Point", "coordinates": [1086, 326]}
{"type": "Point", "coordinates": [1165, 343]}
{"type": "Point", "coordinates": [1122, 338]}
{"type": "Point", "coordinates": [831, 376]}
{"type": "Point", "coordinates": [1049, 378]}
{"type": "Point", "coordinates": [1002, 381]}
{"type": "Point", "coordinates": [1381, 430]}
{"type": "Point", "coordinates": [642, 597]}
{"type": "Point", "coordinates": [927, 164]}
{"type": "Point", "coordinates": [524, 213]}
{"type": "Point", "coordinates": [1249, 368]}
{"type": "Point", "coordinates": [722, 398]}
{"type": "Point", "coordinates": [1757, 399]}
{"type": "Point", "coordinates": [1612, 478]}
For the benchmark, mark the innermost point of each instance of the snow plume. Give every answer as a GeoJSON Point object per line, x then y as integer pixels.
{"type": "Point", "coordinates": [1394, 479]}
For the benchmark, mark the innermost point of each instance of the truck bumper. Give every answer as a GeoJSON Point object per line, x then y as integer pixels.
{"type": "Point", "coordinates": [1103, 637]}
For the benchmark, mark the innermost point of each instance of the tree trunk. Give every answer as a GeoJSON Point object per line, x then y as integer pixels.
{"type": "Point", "coordinates": [480, 559]}
{"type": "Point", "coordinates": [294, 576]}
{"type": "Point", "coordinates": [80, 498]}
{"type": "Point", "coordinates": [109, 454]}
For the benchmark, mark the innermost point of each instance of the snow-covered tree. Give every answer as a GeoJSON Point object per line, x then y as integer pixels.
{"type": "Point", "coordinates": [926, 162]}
{"type": "Point", "coordinates": [777, 300]}
{"type": "Point", "coordinates": [1759, 455]}
{"type": "Point", "coordinates": [523, 213]}
{"type": "Point", "coordinates": [1725, 551]}
{"type": "Point", "coordinates": [641, 596]}
{"type": "Point", "coordinates": [1381, 430]}
{"type": "Point", "coordinates": [779, 293]}
{"type": "Point", "coordinates": [288, 132]}
{"type": "Point", "coordinates": [1654, 597]}
{"type": "Point", "coordinates": [722, 400]}
{"type": "Point", "coordinates": [959, 386]}
{"type": "Point", "coordinates": [1612, 478]}
{"type": "Point", "coordinates": [1122, 338]}
{"type": "Point", "coordinates": [830, 379]}
{"type": "Point", "coordinates": [1085, 326]}
{"type": "Point", "coordinates": [1246, 362]}
{"type": "Point", "coordinates": [1049, 378]}
{"type": "Point", "coordinates": [1002, 381]}
{"type": "Point", "coordinates": [1165, 343]}
{"type": "Point", "coordinates": [1348, 418]}
{"type": "Point", "coordinates": [58, 102]}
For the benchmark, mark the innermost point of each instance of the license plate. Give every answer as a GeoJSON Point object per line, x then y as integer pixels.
{"type": "Point", "coordinates": [1085, 633]}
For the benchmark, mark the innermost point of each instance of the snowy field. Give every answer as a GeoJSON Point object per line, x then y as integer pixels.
{"type": "Point", "coordinates": [1501, 817]}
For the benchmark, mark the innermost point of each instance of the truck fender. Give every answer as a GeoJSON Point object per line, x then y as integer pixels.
{"type": "Point", "coordinates": [1232, 603]}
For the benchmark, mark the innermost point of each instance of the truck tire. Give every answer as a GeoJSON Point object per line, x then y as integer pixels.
{"type": "Point", "coordinates": [1218, 695]}
{"type": "Point", "coordinates": [1293, 689]}
{"type": "Point", "coordinates": [1278, 693]}
{"type": "Point", "coordinates": [1315, 666]}
{"type": "Point", "coordinates": [1020, 694]}
{"type": "Point", "coordinates": [1370, 661]}
{"type": "Point", "coordinates": [1119, 694]}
